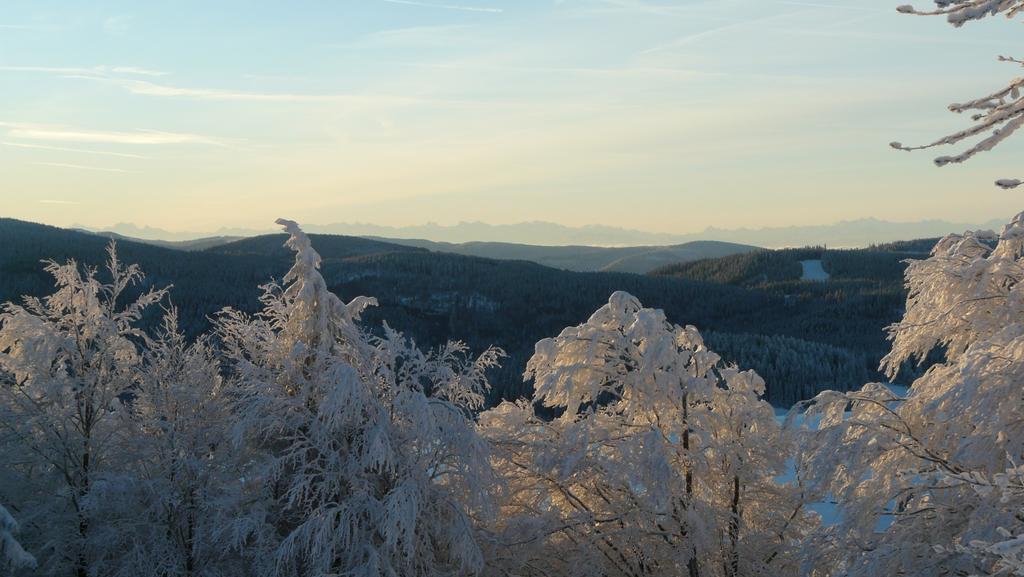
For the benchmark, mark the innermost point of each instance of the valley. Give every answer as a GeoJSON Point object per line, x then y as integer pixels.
{"type": "Point", "coordinates": [753, 307]}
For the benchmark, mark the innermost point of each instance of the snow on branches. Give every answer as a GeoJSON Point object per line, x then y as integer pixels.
{"type": "Point", "coordinates": [294, 442]}
{"type": "Point", "coordinates": [661, 463]}
{"type": "Point", "coordinates": [928, 482]}
{"type": "Point", "coordinates": [182, 468]}
{"type": "Point", "coordinates": [366, 447]}
{"type": "Point", "coordinates": [958, 12]}
{"type": "Point", "coordinates": [995, 116]}
{"type": "Point", "coordinates": [290, 443]}
{"type": "Point", "coordinates": [67, 363]}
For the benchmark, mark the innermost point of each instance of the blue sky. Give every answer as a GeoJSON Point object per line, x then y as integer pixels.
{"type": "Point", "coordinates": [664, 116]}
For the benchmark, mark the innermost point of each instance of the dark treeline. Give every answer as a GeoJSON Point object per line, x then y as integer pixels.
{"type": "Point", "coordinates": [786, 359]}
{"type": "Point", "coordinates": [802, 337]}
{"type": "Point", "coordinates": [768, 268]}
{"type": "Point", "coordinates": [863, 295]}
{"type": "Point", "coordinates": [750, 269]}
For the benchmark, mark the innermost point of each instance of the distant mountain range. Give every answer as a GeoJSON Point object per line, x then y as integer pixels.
{"type": "Point", "coordinates": [149, 233]}
{"type": "Point", "coordinates": [634, 259]}
{"type": "Point", "coordinates": [849, 233]}
{"type": "Point", "coordinates": [846, 234]}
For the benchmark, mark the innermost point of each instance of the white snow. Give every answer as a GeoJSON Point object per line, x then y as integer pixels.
{"type": "Point", "coordinates": [813, 271]}
{"type": "Point", "coordinates": [828, 510]}
{"type": "Point", "coordinates": [322, 406]}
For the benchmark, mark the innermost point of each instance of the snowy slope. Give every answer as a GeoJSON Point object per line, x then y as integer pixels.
{"type": "Point", "coordinates": [813, 271]}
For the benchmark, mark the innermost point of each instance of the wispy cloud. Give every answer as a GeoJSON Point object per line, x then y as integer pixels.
{"type": "Point", "coordinates": [85, 70]}
{"type": "Point", "coordinates": [412, 36]}
{"type": "Point", "coordinates": [75, 150]}
{"type": "Point", "coordinates": [56, 201]}
{"type": "Point", "coordinates": [635, 6]}
{"type": "Point", "coordinates": [459, 7]}
{"type": "Point", "coordinates": [147, 88]}
{"type": "Point", "coordinates": [837, 31]}
{"type": "Point", "coordinates": [610, 72]}
{"type": "Point", "coordinates": [276, 77]}
{"type": "Point", "coordinates": [833, 6]}
{"type": "Point", "coordinates": [118, 25]}
{"type": "Point", "coordinates": [66, 134]}
{"type": "Point", "coordinates": [120, 76]}
{"type": "Point", "coordinates": [693, 37]}
{"type": "Point", "coordinates": [34, 27]}
{"type": "Point", "coordinates": [79, 167]}
{"type": "Point", "coordinates": [137, 70]}
{"type": "Point", "coordinates": [53, 69]}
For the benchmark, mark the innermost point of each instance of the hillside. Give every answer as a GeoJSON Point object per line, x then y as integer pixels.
{"type": "Point", "coordinates": [634, 259]}
{"type": "Point", "coordinates": [329, 247]}
{"type": "Point", "coordinates": [921, 247]}
{"type": "Point", "coordinates": [194, 244]}
{"type": "Point", "coordinates": [770, 268]}
{"type": "Point", "coordinates": [832, 339]}
{"type": "Point", "coordinates": [848, 233]}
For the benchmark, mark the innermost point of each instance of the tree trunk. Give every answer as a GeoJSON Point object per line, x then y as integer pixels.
{"type": "Point", "coordinates": [190, 562]}
{"type": "Point", "coordinates": [733, 566]}
{"type": "Point", "coordinates": [692, 565]}
{"type": "Point", "coordinates": [81, 562]}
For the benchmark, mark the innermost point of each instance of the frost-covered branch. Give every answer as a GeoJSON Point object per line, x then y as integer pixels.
{"type": "Point", "coordinates": [369, 456]}
{"type": "Point", "coordinates": [996, 116]}
{"type": "Point", "coordinates": [661, 463]}
{"type": "Point", "coordinates": [71, 360]}
{"type": "Point", "coordinates": [959, 12]}
{"type": "Point", "coordinates": [922, 479]}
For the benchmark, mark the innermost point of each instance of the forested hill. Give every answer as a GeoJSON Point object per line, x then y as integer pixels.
{"type": "Point", "coordinates": [329, 246]}
{"type": "Point", "coordinates": [863, 293]}
{"type": "Point", "coordinates": [194, 244]}
{"type": "Point", "coordinates": [776, 268]}
{"type": "Point", "coordinates": [635, 259]}
{"type": "Point", "coordinates": [830, 336]}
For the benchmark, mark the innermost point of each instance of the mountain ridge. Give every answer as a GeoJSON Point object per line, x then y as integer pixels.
{"type": "Point", "coordinates": [833, 330]}
{"type": "Point", "coordinates": [582, 258]}
{"type": "Point", "coordinates": [851, 233]}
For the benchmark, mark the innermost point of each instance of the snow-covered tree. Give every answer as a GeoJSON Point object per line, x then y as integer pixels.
{"type": "Point", "coordinates": [662, 462]}
{"type": "Point", "coordinates": [12, 555]}
{"type": "Point", "coordinates": [1005, 555]}
{"type": "Point", "coordinates": [366, 459]}
{"type": "Point", "coordinates": [928, 483]}
{"type": "Point", "coordinates": [994, 116]}
{"type": "Point", "coordinates": [67, 362]}
{"type": "Point", "coordinates": [182, 469]}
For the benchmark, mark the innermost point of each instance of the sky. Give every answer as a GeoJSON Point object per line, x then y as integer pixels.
{"type": "Point", "coordinates": [665, 116]}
